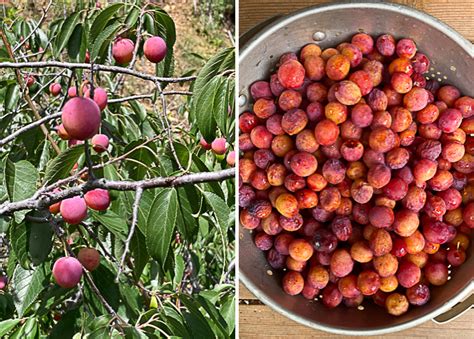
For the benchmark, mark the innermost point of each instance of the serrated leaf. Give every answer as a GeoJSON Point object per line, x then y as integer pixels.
{"type": "Point", "coordinates": [214, 314]}
{"type": "Point", "coordinates": [7, 325]}
{"type": "Point", "coordinates": [179, 265]}
{"type": "Point", "coordinates": [66, 31]}
{"type": "Point", "coordinates": [20, 180]}
{"type": "Point", "coordinates": [219, 207]}
{"type": "Point", "coordinates": [102, 19]}
{"type": "Point", "coordinates": [27, 285]}
{"type": "Point", "coordinates": [167, 30]}
{"type": "Point", "coordinates": [103, 39]}
{"type": "Point", "coordinates": [219, 108]}
{"type": "Point", "coordinates": [61, 166]}
{"type": "Point", "coordinates": [113, 222]}
{"type": "Point", "coordinates": [211, 69]}
{"type": "Point", "coordinates": [67, 326]}
{"type": "Point", "coordinates": [161, 224]}
{"type": "Point", "coordinates": [203, 107]}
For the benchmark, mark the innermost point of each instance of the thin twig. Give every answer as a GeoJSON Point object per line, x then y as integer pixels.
{"type": "Point", "coordinates": [136, 205]}
{"type": "Point", "coordinates": [147, 96]}
{"type": "Point", "coordinates": [39, 201]}
{"type": "Point", "coordinates": [21, 82]}
{"type": "Point", "coordinates": [26, 128]}
{"type": "Point", "coordinates": [104, 68]}
{"type": "Point", "coordinates": [45, 11]}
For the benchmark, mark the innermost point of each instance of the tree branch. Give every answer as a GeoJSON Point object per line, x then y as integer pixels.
{"type": "Point", "coordinates": [43, 200]}
{"type": "Point", "coordinates": [97, 67]}
{"type": "Point", "coordinates": [26, 128]}
{"type": "Point", "coordinates": [136, 205]}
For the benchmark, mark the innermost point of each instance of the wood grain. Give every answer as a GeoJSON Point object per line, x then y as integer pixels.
{"type": "Point", "coordinates": [459, 14]}
{"type": "Point", "coordinates": [259, 321]}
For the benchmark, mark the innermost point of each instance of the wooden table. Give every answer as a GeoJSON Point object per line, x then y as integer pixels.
{"type": "Point", "coordinates": [258, 320]}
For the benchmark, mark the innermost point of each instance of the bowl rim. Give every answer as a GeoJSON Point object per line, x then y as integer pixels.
{"type": "Point", "coordinates": [287, 19]}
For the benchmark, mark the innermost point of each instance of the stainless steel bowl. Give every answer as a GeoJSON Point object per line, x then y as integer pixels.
{"type": "Point", "coordinates": [452, 59]}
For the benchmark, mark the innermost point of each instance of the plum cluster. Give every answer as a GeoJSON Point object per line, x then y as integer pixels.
{"type": "Point", "coordinates": [219, 147]}
{"type": "Point", "coordinates": [67, 271]}
{"type": "Point", "coordinates": [356, 173]}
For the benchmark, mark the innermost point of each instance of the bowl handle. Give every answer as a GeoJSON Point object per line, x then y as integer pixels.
{"type": "Point", "coordinates": [456, 311]}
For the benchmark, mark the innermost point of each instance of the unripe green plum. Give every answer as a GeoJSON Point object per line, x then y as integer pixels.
{"type": "Point", "coordinates": [67, 272]}
{"type": "Point", "coordinates": [219, 146]}
{"type": "Point", "coordinates": [62, 133]}
{"type": "Point", "coordinates": [100, 143]}
{"type": "Point", "coordinates": [81, 118]}
{"type": "Point", "coordinates": [122, 50]}
{"type": "Point", "coordinates": [89, 258]}
{"type": "Point", "coordinates": [100, 97]}
{"type": "Point", "coordinates": [155, 49]}
{"type": "Point", "coordinates": [73, 210]}
{"type": "Point", "coordinates": [98, 199]}
{"type": "Point", "coordinates": [55, 89]}
{"type": "Point", "coordinates": [231, 158]}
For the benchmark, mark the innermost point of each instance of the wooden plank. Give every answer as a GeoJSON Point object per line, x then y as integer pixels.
{"type": "Point", "coordinates": [259, 321]}
{"type": "Point", "coordinates": [459, 14]}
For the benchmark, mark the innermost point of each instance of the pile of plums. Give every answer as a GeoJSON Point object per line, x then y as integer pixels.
{"type": "Point", "coordinates": [356, 173]}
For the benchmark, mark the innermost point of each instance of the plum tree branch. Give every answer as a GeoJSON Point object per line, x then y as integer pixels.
{"type": "Point", "coordinates": [26, 128]}
{"type": "Point", "coordinates": [97, 67]}
{"type": "Point", "coordinates": [147, 96]}
{"type": "Point", "coordinates": [27, 95]}
{"type": "Point", "coordinates": [44, 199]}
{"type": "Point", "coordinates": [136, 205]}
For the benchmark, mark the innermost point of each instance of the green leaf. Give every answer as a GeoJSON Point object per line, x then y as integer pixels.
{"type": "Point", "coordinates": [61, 166]}
{"type": "Point", "coordinates": [27, 286]}
{"type": "Point", "coordinates": [74, 43]}
{"type": "Point", "coordinates": [12, 95]}
{"type": "Point", "coordinates": [161, 224]}
{"type": "Point", "coordinates": [215, 315]}
{"type": "Point", "coordinates": [20, 180]}
{"type": "Point", "coordinates": [195, 320]}
{"type": "Point", "coordinates": [178, 270]}
{"type": "Point", "coordinates": [7, 325]}
{"type": "Point", "coordinates": [132, 17]}
{"type": "Point", "coordinates": [219, 207]}
{"type": "Point", "coordinates": [40, 241]}
{"type": "Point", "coordinates": [167, 30]}
{"type": "Point", "coordinates": [66, 31]}
{"type": "Point", "coordinates": [220, 62]}
{"type": "Point", "coordinates": [203, 109]}
{"type": "Point", "coordinates": [102, 19]}
{"type": "Point", "coordinates": [228, 312]}
{"type": "Point", "coordinates": [103, 40]}
{"type": "Point", "coordinates": [67, 326]}
{"type": "Point", "coordinates": [139, 252]}
{"type": "Point", "coordinates": [186, 222]}
{"type": "Point", "coordinates": [19, 241]}
{"type": "Point", "coordinates": [113, 222]}
{"type": "Point", "coordinates": [220, 109]}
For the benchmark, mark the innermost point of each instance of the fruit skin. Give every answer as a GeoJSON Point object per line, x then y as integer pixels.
{"type": "Point", "coordinates": [122, 50]}
{"type": "Point", "coordinates": [62, 133]}
{"type": "Point", "coordinates": [55, 89]}
{"type": "Point", "coordinates": [81, 118]}
{"type": "Point", "coordinates": [100, 143]}
{"type": "Point", "coordinates": [100, 97]}
{"type": "Point", "coordinates": [204, 144]}
{"type": "Point", "coordinates": [73, 210]}
{"type": "Point", "coordinates": [98, 199]}
{"type": "Point", "coordinates": [3, 282]}
{"type": "Point", "coordinates": [67, 272]}
{"type": "Point", "coordinates": [54, 208]}
{"type": "Point", "coordinates": [89, 258]}
{"type": "Point", "coordinates": [155, 49]}
{"type": "Point", "coordinates": [87, 58]}
{"type": "Point", "coordinates": [231, 158]}
{"type": "Point", "coordinates": [30, 80]}
{"type": "Point", "coordinates": [218, 146]}
{"type": "Point", "coordinates": [72, 92]}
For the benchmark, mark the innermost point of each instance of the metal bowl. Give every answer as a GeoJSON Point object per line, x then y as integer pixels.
{"type": "Point", "coordinates": [452, 59]}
